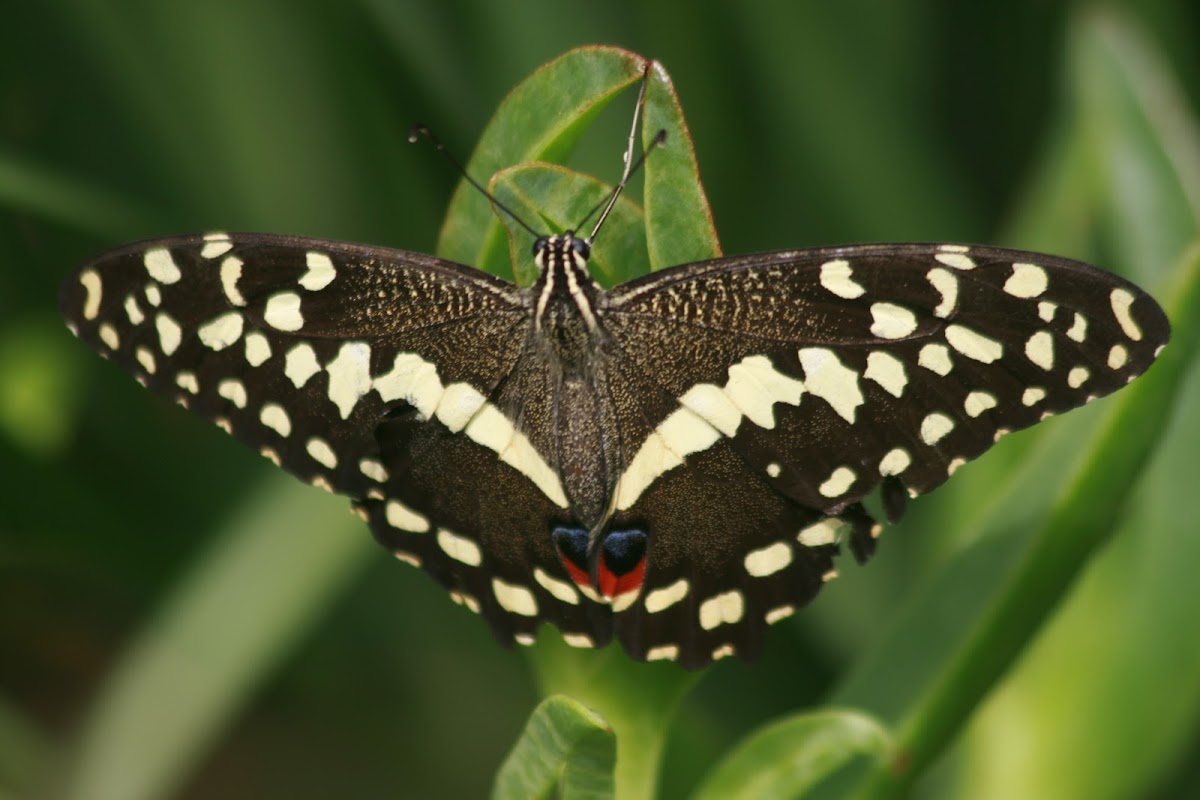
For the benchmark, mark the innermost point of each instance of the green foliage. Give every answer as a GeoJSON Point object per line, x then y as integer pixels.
{"type": "Point", "coordinates": [565, 751]}
{"type": "Point", "coordinates": [171, 625]}
{"type": "Point", "coordinates": [791, 756]}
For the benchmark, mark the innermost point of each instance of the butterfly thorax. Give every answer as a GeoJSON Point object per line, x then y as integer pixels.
{"type": "Point", "coordinates": [570, 337]}
{"type": "Point", "coordinates": [565, 300]}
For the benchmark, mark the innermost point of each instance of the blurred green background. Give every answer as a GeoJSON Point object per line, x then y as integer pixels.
{"type": "Point", "coordinates": [178, 620]}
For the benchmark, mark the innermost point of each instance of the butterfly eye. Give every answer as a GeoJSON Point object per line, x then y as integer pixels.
{"type": "Point", "coordinates": [540, 245]}
{"type": "Point", "coordinates": [581, 248]}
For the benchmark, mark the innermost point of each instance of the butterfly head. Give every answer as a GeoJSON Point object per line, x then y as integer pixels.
{"type": "Point", "coordinates": [565, 294]}
{"type": "Point", "coordinates": [565, 242]}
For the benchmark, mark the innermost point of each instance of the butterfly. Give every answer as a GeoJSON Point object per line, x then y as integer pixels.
{"type": "Point", "coordinates": [674, 461]}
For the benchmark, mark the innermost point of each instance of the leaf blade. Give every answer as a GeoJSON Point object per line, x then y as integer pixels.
{"type": "Point", "coordinates": [564, 745]}
{"type": "Point", "coordinates": [792, 755]}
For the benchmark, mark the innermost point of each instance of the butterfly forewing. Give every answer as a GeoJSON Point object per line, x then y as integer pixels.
{"type": "Point", "coordinates": [735, 411]}
{"type": "Point", "coordinates": [281, 340]}
{"type": "Point", "coordinates": [883, 360]}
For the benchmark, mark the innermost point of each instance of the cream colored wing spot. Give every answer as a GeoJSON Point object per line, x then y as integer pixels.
{"type": "Point", "coordinates": [723, 609]}
{"type": "Point", "coordinates": [222, 331]}
{"type": "Point", "coordinates": [170, 335]}
{"type": "Point", "coordinates": [973, 345]}
{"type": "Point", "coordinates": [283, 312]}
{"type": "Point", "coordinates": [836, 278]}
{"type": "Point", "coordinates": [459, 548]}
{"type": "Point", "coordinates": [300, 364]}
{"type": "Point", "coordinates": [826, 377]}
{"type": "Point", "coordinates": [161, 266]}
{"type": "Point", "coordinates": [946, 284]}
{"type": "Point", "coordinates": [404, 518]}
{"type": "Point", "coordinates": [216, 244]}
{"type": "Point", "coordinates": [896, 461]}
{"type": "Point", "coordinates": [661, 599]}
{"type": "Point", "coordinates": [1027, 281]}
{"type": "Point", "coordinates": [231, 273]}
{"type": "Point", "coordinates": [934, 427]}
{"type": "Point", "coordinates": [258, 348]}
{"type": "Point", "coordinates": [515, 598]}
{"type": "Point", "coordinates": [276, 418]}
{"type": "Point", "coordinates": [838, 482]}
{"type": "Point", "coordinates": [1039, 349]}
{"type": "Point", "coordinates": [768, 560]}
{"type": "Point", "coordinates": [887, 371]}
{"type": "Point", "coordinates": [92, 293]}
{"type": "Point", "coordinates": [892, 321]}
{"type": "Point", "coordinates": [320, 272]}
{"type": "Point", "coordinates": [349, 376]}
{"type": "Point", "coordinates": [1122, 301]}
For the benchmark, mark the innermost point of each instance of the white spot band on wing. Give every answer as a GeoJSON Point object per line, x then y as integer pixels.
{"type": "Point", "coordinates": [706, 412]}
{"type": "Point", "coordinates": [415, 381]}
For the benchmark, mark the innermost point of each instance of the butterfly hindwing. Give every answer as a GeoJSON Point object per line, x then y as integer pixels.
{"type": "Point", "coordinates": [481, 533]}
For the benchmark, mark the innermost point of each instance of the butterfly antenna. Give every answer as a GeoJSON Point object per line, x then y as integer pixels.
{"type": "Point", "coordinates": [418, 130]}
{"type": "Point", "coordinates": [631, 166]}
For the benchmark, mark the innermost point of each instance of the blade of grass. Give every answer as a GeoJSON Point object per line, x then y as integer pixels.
{"type": "Point", "coordinates": [27, 755]}
{"type": "Point", "coordinates": [266, 581]}
{"type": "Point", "coordinates": [30, 189]}
{"type": "Point", "coordinates": [1082, 519]}
{"type": "Point", "coordinates": [944, 658]}
{"type": "Point", "coordinates": [1126, 620]}
{"type": "Point", "coordinates": [1140, 160]}
{"type": "Point", "coordinates": [1141, 141]}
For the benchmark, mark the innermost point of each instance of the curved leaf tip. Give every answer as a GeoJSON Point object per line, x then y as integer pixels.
{"type": "Point", "coordinates": [566, 750]}
{"type": "Point", "coordinates": [792, 756]}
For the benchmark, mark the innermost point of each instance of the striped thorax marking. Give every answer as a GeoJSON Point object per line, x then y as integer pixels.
{"type": "Point", "coordinates": [562, 262]}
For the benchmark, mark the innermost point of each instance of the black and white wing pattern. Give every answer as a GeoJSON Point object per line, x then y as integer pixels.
{"type": "Point", "coordinates": [791, 384]}
{"type": "Point", "coordinates": [741, 408]}
{"type": "Point", "coordinates": [295, 346]}
{"type": "Point", "coordinates": [385, 375]}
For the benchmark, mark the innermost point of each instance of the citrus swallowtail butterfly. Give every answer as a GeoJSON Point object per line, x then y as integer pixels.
{"type": "Point", "coordinates": [674, 461]}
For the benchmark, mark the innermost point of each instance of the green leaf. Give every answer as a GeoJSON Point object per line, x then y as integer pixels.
{"type": "Point", "coordinates": [788, 757]}
{"type": "Point", "coordinates": [679, 222]}
{"type": "Point", "coordinates": [638, 700]}
{"type": "Point", "coordinates": [1140, 141]}
{"type": "Point", "coordinates": [560, 198]}
{"type": "Point", "coordinates": [565, 751]}
{"type": "Point", "coordinates": [226, 625]}
{"type": "Point", "coordinates": [541, 119]}
{"type": "Point", "coordinates": [678, 225]}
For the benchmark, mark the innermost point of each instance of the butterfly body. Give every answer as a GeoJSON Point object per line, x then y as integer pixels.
{"type": "Point", "coordinates": [673, 461]}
